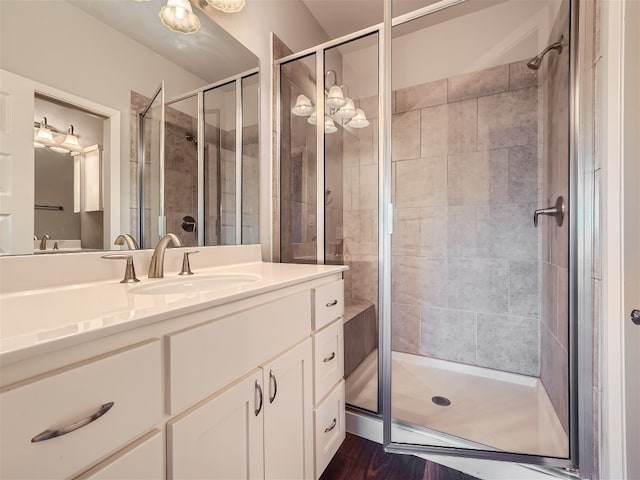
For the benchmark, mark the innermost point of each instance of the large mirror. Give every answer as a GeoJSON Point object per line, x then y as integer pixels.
{"type": "Point", "coordinates": [76, 75]}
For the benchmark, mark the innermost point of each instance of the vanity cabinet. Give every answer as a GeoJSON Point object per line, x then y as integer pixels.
{"type": "Point", "coordinates": [250, 388]}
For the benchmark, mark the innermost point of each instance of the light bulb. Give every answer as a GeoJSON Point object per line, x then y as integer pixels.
{"type": "Point", "coordinates": [360, 120]}
{"type": "Point", "coordinates": [71, 140]}
{"type": "Point", "coordinates": [178, 16]}
{"type": "Point", "coordinates": [335, 97]}
{"type": "Point", "coordinates": [302, 107]}
{"type": "Point", "coordinates": [348, 110]}
{"type": "Point", "coordinates": [329, 126]}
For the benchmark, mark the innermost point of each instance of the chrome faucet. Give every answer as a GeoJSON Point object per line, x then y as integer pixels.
{"type": "Point", "coordinates": [43, 242]}
{"type": "Point", "coordinates": [127, 239]}
{"type": "Point", "coordinates": [156, 268]}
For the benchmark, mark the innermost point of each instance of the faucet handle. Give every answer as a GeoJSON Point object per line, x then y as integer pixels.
{"type": "Point", "coordinates": [186, 268]}
{"type": "Point", "coordinates": [130, 271]}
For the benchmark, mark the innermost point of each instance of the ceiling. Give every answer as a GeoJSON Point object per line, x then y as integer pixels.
{"type": "Point", "coordinates": [224, 55]}
{"type": "Point", "coordinates": [340, 17]}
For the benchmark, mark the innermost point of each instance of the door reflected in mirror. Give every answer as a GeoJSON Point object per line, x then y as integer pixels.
{"type": "Point", "coordinates": [68, 203]}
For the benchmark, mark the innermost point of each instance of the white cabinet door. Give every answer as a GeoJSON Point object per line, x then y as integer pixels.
{"type": "Point", "coordinates": [288, 416]}
{"type": "Point", "coordinates": [221, 438]}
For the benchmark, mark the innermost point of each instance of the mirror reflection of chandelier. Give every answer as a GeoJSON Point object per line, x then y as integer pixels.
{"type": "Point", "coordinates": [340, 108]}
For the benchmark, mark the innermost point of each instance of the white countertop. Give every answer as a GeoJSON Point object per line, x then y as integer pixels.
{"type": "Point", "coordinates": [32, 320]}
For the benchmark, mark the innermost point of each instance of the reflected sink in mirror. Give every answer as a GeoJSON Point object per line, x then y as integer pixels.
{"type": "Point", "coordinates": [196, 284]}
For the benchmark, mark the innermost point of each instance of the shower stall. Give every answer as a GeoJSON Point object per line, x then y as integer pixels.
{"type": "Point", "coordinates": [458, 319]}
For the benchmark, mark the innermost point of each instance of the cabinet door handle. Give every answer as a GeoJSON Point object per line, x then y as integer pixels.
{"type": "Point", "coordinates": [331, 427]}
{"type": "Point", "coordinates": [332, 304]}
{"type": "Point", "coordinates": [58, 432]}
{"type": "Point", "coordinates": [259, 390]}
{"type": "Point", "coordinates": [330, 357]}
{"type": "Point", "coordinates": [272, 378]}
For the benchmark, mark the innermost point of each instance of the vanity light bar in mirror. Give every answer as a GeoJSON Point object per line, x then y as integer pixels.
{"type": "Point", "coordinates": [45, 136]}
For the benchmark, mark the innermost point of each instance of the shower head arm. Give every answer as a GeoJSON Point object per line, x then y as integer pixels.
{"type": "Point", "coordinates": [534, 63]}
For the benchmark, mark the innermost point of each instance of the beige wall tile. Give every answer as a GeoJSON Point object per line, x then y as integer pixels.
{"type": "Point", "coordinates": [434, 131]}
{"type": "Point", "coordinates": [508, 119]}
{"type": "Point", "coordinates": [405, 142]}
{"type": "Point", "coordinates": [421, 182]}
{"type": "Point", "coordinates": [419, 280]}
{"type": "Point", "coordinates": [479, 83]}
{"type": "Point", "coordinates": [448, 334]}
{"type": "Point", "coordinates": [462, 126]}
{"type": "Point", "coordinates": [468, 178]}
{"type": "Point", "coordinates": [521, 76]}
{"type": "Point", "coordinates": [405, 328]}
{"type": "Point", "coordinates": [421, 96]}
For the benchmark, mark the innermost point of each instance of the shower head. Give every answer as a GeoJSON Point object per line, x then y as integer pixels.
{"type": "Point", "coordinates": [536, 61]}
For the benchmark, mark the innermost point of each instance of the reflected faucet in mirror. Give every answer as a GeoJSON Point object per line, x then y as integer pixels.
{"type": "Point", "coordinates": [43, 242]}
{"type": "Point", "coordinates": [128, 240]}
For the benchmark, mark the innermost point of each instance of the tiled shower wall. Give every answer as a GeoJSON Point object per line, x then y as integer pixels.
{"type": "Point", "coordinates": [360, 205]}
{"type": "Point", "coordinates": [465, 252]}
{"type": "Point", "coordinates": [554, 327]}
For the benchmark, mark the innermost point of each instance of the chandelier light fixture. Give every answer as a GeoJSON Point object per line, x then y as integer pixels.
{"type": "Point", "coordinates": [178, 16]}
{"type": "Point", "coordinates": [338, 107]}
{"type": "Point", "coordinates": [227, 6]}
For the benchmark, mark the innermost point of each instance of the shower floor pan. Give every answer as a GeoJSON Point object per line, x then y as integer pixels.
{"type": "Point", "coordinates": [503, 411]}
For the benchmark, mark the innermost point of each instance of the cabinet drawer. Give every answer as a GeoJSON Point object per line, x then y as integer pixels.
{"type": "Point", "coordinates": [328, 359]}
{"type": "Point", "coordinates": [74, 397]}
{"type": "Point", "coordinates": [205, 358]}
{"type": "Point", "coordinates": [328, 303]}
{"type": "Point", "coordinates": [329, 423]}
{"type": "Point", "coordinates": [142, 460]}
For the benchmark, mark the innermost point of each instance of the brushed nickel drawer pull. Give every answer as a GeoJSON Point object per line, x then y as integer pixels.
{"type": "Point", "coordinates": [332, 304]}
{"type": "Point", "coordinates": [58, 432]}
{"type": "Point", "coordinates": [272, 381]}
{"type": "Point", "coordinates": [331, 427]}
{"type": "Point", "coordinates": [330, 357]}
{"type": "Point", "coordinates": [259, 390]}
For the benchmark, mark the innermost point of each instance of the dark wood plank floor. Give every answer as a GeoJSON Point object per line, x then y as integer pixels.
{"type": "Point", "coordinates": [361, 459]}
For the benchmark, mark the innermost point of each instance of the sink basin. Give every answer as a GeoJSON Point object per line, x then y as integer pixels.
{"type": "Point", "coordinates": [196, 284]}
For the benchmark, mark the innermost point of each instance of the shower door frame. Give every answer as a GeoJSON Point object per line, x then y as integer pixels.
{"type": "Point", "coordinates": [581, 412]}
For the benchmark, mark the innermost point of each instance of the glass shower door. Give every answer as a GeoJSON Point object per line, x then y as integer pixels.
{"type": "Point", "coordinates": [151, 220]}
{"type": "Point", "coordinates": [480, 348]}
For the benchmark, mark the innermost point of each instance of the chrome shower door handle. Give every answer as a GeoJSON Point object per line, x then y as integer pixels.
{"type": "Point", "coordinates": [557, 211]}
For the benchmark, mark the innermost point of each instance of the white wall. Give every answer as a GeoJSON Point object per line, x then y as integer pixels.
{"type": "Point", "coordinates": [57, 44]}
{"type": "Point", "coordinates": [298, 29]}
{"type": "Point", "coordinates": [504, 33]}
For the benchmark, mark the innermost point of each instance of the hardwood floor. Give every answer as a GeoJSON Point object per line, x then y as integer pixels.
{"type": "Point", "coordinates": [361, 459]}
